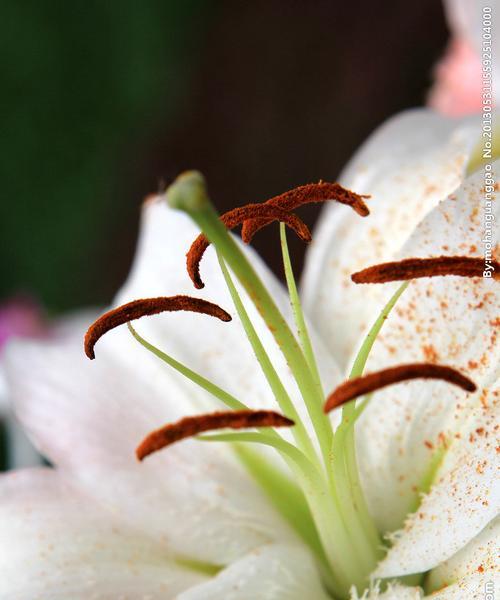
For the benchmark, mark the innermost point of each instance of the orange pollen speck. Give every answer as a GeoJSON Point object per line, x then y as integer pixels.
{"type": "Point", "coordinates": [414, 268]}
{"type": "Point", "coordinates": [191, 426]}
{"type": "Point", "coordinates": [147, 307]}
{"type": "Point", "coordinates": [366, 384]}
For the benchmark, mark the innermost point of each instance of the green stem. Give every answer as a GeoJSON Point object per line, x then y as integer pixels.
{"type": "Point", "coordinates": [345, 465]}
{"type": "Point", "coordinates": [359, 363]}
{"type": "Point", "coordinates": [361, 530]}
{"type": "Point", "coordinates": [225, 397]}
{"type": "Point", "coordinates": [277, 387]}
{"type": "Point", "coordinates": [330, 528]}
{"type": "Point", "coordinates": [298, 314]}
{"type": "Point", "coordinates": [189, 194]}
{"type": "Point", "coordinates": [285, 495]}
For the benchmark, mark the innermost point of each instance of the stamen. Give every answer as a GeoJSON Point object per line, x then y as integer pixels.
{"type": "Point", "coordinates": [147, 307]}
{"type": "Point", "coordinates": [232, 219]}
{"type": "Point", "coordinates": [191, 426]}
{"type": "Point", "coordinates": [307, 194]}
{"type": "Point", "coordinates": [413, 268]}
{"type": "Point", "coordinates": [359, 386]}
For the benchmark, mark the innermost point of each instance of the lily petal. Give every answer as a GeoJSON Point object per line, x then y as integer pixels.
{"type": "Point", "coordinates": [463, 500]}
{"type": "Point", "coordinates": [56, 543]}
{"type": "Point", "coordinates": [450, 320]}
{"type": "Point", "coordinates": [393, 592]}
{"type": "Point", "coordinates": [87, 418]}
{"type": "Point", "coordinates": [275, 571]}
{"type": "Point", "coordinates": [479, 557]}
{"type": "Point", "coordinates": [474, 587]}
{"type": "Point", "coordinates": [403, 425]}
{"type": "Point", "coordinates": [407, 166]}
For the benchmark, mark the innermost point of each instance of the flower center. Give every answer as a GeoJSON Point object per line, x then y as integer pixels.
{"type": "Point", "coordinates": [323, 500]}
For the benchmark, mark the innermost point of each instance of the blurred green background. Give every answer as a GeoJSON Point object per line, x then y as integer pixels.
{"type": "Point", "coordinates": [101, 100]}
{"type": "Point", "coordinates": [86, 87]}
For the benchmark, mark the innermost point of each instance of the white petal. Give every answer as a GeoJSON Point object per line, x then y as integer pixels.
{"type": "Point", "coordinates": [56, 543]}
{"type": "Point", "coordinates": [88, 417]}
{"type": "Point", "coordinates": [463, 500]}
{"type": "Point", "coordinates": [393, 592]}
{"type": "Point", "coordinates": [480, 556]}
{"type": "Point", "coordinates": [273, 572]}
{"type": "Point", "coordinates": [474, 587]}
{"type": "Point", "coordinates": [449, 320]}
{"type": "Point", "coordinates": [20, 451]}
{"type": "Point", "coordinates": [407, 166]}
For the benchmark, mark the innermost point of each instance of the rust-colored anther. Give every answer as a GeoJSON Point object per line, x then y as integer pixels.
{"type": "Point", "coordinates": [190, 426]}
{"type": "Point", "coordinates": [414, 268]}
{"type": "Point", "coordinates": [307, 194]}
{"type": "Point", "coordinates": [147, 307]}
{"type": "Point", "coordinates": [359, 386]}
{"type": "Point", "coordinates": [232, 219]}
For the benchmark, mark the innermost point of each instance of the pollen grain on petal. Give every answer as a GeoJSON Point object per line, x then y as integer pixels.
{"type": "Point", "coordinates": [191, 426]}
{"type": "Point", "coordinates": [307, 194]}
{"type": "Point", "coordinates": [359, 386]}
{"type": "Point", "coordinates": [414, 268]}
{"type": "Point", "coordinates": [232, 219]}
{"type": "Point", "coordinates": [147, 307]}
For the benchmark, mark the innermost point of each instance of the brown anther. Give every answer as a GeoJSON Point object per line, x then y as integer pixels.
{"type": "Point", "coordinates": [366, 384]}
{"type": "Point", "coordinates": [414, 268]}
{"type": "Point", "coordinates": [232, 219]}
{"type": "Point", "coordinates": [307, 194]}
{"type": "Point", "coordinates": [147, 307]}
{"type": "Point", "coordinates": [191, 426]}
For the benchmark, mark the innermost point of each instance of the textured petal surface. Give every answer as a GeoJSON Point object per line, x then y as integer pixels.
{"type": "Point", "coordinates": [479, 557]}
{"type": "Point", "coordinates": [274, 572]}
{"type": "Point", "coordinates": [88, 417]}
{"type": "Point", "coordinates": [393, 592]}
{"type": "Point", "coordinates": [408, 165]}
{"type": "Point", "coordinates": [56, 543]}
{"type": "Point", "coordinates": [453, 321]}
{"type": "Point", "coordinates": [474, 587]}
{"type": "Point", "coordinates": [465, 497]}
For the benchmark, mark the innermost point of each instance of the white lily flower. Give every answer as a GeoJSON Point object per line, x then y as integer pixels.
{"type": "Point", "coordinates": [202, 521]}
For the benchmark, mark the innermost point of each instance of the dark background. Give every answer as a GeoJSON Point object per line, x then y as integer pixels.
{"type": "Point", "coordinates": [102, 100]}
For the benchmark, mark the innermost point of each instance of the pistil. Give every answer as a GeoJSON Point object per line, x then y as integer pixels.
{"type": "Point", "coordinates": [188, 193]}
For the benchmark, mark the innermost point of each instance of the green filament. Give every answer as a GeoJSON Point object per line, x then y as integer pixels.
{"type": "Point", "coordinates": [269, 371]}
{"type": "Point", "coordinates": [298, 314]}
{"type": "Point", "coordinates": [229, 400]}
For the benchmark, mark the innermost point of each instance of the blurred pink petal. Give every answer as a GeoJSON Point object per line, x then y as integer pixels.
{"type": "Point", "coordinates": [20, 317]}
{"type": "Point", "coordinates": [457, 90]}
